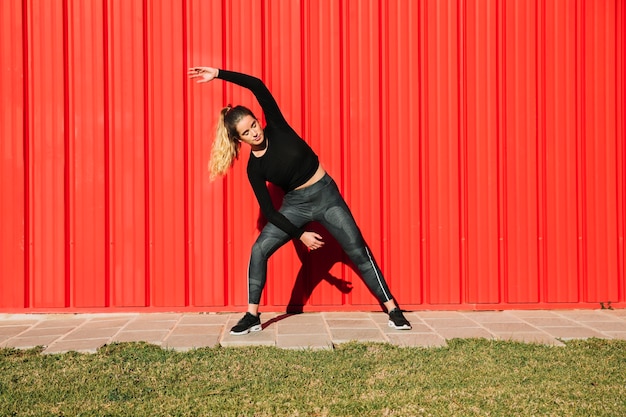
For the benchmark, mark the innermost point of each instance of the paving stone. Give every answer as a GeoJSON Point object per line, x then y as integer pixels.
{"type": "Point", "coordinates": [303, 319]}
{"type": "Point", "coordinates": [11, 331]}
{"type": "Point", "coordinates": [143, 325]}
{"type": "Point", "coordinates": [16, 322]}
{"type": "Point", "coordinates": [425, 340]}
{"type": "Point", "coordinates": [106, 324]}
{"type": "Point", "coordinates": [492, 317]}
{"type": "Point", "coordinates": [574, 332]}
{"type": "Point", "coordinates": [509, 327]}
{"type": "Point", "coordinates": [464, 333]}
{"type": "Point", "coordinates": [218, 319]}
{"type": "Point", "coordinates": [364, 323]}
{"type": "Point", "coordinates": [52, 323]}
{"type": "Point", "coordinates": [158, 317]}
{"type": "Point", "coordinates": [30, 342]}
{"type": "Point", "coordinates": [550, 321]}
{"type": "Point", "coordinates": [266, 337]}
{"type": "Point", "coordinates": [200, 329]}
{"type": "Point", "coordinates": [46, 331]}
{"type": "Point", "coordinates": [616, 326]}
{"type": "Point", "coordinates": [148, 336]}
{"type": "Point", "coordinates": [298, 329]}
{"type": "Point", "coordinates": [415, 328]}
{"type": "Point", "coordinates": [275, 320]}
{"type": "Point", "coordinates": [449, 323]}
{"type": "Point", "coordinates": [586, 315]}
{"type": "Point", "coordinates": [262, 338]}
{"type": "Point", "coordinates": [90, 333]}
{"type": "Point", "coordinates": [380, 317]}
{"type": "Point", "coordinates": [345, 315]}
{"type": "Point", "coordinates": [439, 314]}
{"type": "Point", "coordinates": [382, 320]}
{"type": "Point", "coordinates": [83, 346]}
{"type": "Point", "coordinates": [341, 335]}
{"type": "Point", "coordinates": [304, 341]}
{"type": "Point", "coordinates": [188, 342]}
{"type": "Point", "coordinates": [616, 335]}
{"type": "Point", "coordinates": [533, 313]}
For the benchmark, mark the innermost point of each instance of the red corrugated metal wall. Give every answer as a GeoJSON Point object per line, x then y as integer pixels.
{"type": "Point", "coordinates": [480, 144]}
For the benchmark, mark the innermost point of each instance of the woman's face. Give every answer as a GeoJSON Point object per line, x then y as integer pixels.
{"type": "Point", "coordinates": [250, 132]}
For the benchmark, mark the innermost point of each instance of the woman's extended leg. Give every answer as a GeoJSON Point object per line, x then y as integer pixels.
{"type": "Point", "coordinates": [337, 218]}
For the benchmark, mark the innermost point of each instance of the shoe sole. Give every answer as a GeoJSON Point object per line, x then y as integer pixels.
{"type": "Point", "coordinates": [404, 327]}
{"type": "Point", "coordinates": [255, 328]}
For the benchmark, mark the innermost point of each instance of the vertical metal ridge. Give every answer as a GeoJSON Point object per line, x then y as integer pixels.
{"type": "Point", "coordinates": [342, 92]}
{"type": "Point", "coordinates": [27, 159]}
{"type": "Point", "coordinates": [420, 157]}
{"type": "Point", "coordinates": [147, 160]}
{"type": "Point", "coordinates": [502, 154]}
{"type": "Point", "coordinates": [66, 155]}
{"type": "Point", "coordinates": [462, 151]}
{"type": "Point", "coordinates": [107, 156]}
{"type": "Point", "coordinates": [620, 136]}
{"type": "Point", "coordinates": [344, 114]}
{"type": "Point", "coordinates": [424, 128]}
{"type": "Point", "coordinates": [461, 144]}
{"type": "Point", "coordinates": [345, 93]}
{"type": "Point", "coordinates": [383, 110]}
{"type": "Point", "coordinates": [540, 111]}
{"type": "Point", "coordinates": [303, 74]}
{"type": "Point", "coordinates": [618, 153]}
{"type": "Point", "coordinates": [186, 203]}
{"type": "Point", "coordinates": [581, 166]}
{"type": "Point", "coordinates": [383, 148]}
{"type": "Point", "coordinates": [228, 270]}
{"type": "Point", "coordinates": [264, 35]}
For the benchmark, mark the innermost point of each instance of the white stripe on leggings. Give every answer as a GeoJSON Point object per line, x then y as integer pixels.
{"type": "Point", "coordinates": [248, 278]}
{"type": "Point", "coordinates": [378, 277]}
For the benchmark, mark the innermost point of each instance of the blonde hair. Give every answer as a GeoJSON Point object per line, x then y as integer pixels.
{"type": "Point", "coordinates": [226, 144]}
{"type": "Point", "coordinates": [225, 148]}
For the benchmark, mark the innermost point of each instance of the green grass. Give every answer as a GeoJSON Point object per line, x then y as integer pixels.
{"type": "Point", "coordinates": [466, 378]}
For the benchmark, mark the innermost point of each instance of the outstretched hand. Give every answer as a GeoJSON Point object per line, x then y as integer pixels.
{"type": "Point", "coordinates": [205, 74]}
{"type": "Point", "coordinates": [312, 240]}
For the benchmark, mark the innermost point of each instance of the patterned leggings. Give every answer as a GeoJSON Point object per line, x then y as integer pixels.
{"type": "Point", "coordinates": [321, 202]}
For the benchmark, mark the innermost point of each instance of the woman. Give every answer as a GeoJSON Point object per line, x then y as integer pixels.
{"type": "Point", "coordinates": [279, 156]}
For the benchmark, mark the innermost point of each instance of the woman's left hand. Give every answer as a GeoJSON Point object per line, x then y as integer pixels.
{"type": "Point", "coordinates": [312, 240]}
{"type": "Point", "coordinates": [205, 74]}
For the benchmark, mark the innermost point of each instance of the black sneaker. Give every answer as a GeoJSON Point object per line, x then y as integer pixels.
{"type": "Point", "coordinates": [397, 320]}
{"type": "Point", "coordinates": [247, 324]}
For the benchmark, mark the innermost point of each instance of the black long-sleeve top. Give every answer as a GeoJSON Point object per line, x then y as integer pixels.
{"type": "Point", "coordinates": [288, 161]}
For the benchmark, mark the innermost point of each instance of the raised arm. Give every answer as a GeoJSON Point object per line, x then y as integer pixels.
{"type": "Point", "coordinates": [263, 95]}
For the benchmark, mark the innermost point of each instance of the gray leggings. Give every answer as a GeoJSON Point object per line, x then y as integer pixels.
{"type": "Point", "coordinates": [320, 202]}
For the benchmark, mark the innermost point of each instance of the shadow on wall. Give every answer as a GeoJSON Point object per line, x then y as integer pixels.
{"type": "Point", "coordinates": [316, 265]}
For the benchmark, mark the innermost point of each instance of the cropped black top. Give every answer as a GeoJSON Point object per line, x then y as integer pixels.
{"type": "Point", "coordinates": [288, 161]}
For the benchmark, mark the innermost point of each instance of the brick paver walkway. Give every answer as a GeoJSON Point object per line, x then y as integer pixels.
{"type": "Point", "coordinates": [183, 331]}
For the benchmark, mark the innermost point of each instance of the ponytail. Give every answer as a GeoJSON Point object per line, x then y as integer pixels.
{"type": "Point", "coordinates": [226, 145]}
{"type": "Point", "coordinates": [224, 150]}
